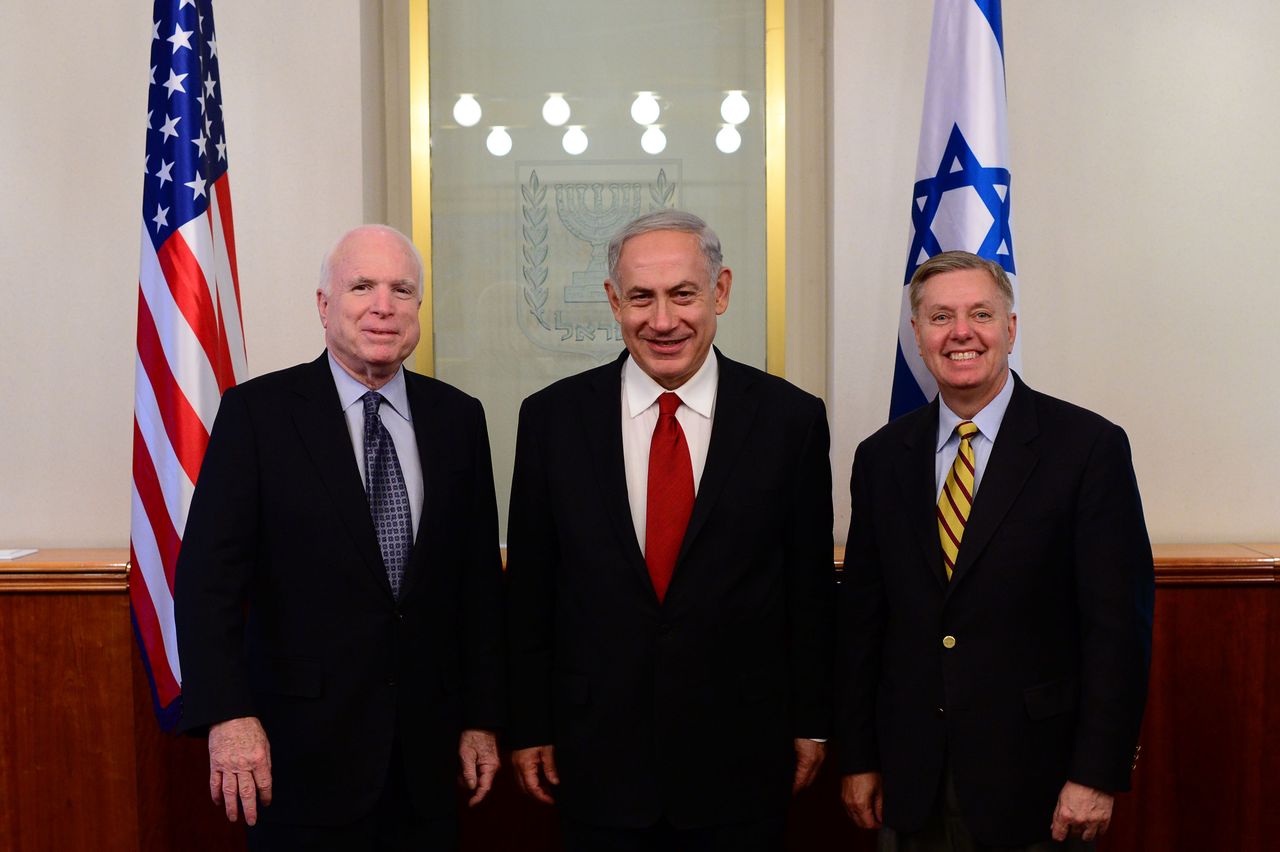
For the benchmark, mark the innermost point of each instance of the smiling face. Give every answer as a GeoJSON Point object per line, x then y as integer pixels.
{"type": "Point", "coordinates": [666, 306]}
{"type": "Point", "coordinates": [369, 304]}
{"type": "Point", "coordinates": [965, 332]}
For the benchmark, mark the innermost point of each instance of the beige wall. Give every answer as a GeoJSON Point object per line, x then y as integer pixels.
{"type": "Point", "coordinates": [1145, 187]}
{"type": "Point", "coordinates": [73, 80]}
{"type": "Point", "coordinates": [1145, 194]}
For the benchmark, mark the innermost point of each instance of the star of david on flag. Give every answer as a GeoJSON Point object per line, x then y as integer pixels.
{"type": "Point", "coordinates": [961, 197]}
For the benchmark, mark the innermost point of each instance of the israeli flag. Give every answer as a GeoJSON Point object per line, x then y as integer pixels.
{"type": "Point", "coordinates": [961, 198]}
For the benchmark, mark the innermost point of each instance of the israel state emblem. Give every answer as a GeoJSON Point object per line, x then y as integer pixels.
{"type": "Point", "coordinates": [568, 213]}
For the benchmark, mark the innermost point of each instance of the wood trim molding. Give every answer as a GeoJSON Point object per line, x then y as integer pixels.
{"type": "Point", "coordinates": [107, 569]}
{"type": "Point", "coordinates": [100, 569]}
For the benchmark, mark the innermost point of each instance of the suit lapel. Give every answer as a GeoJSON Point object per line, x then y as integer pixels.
{"type": "Point", "coordinates": [602, 425]}
{"type": "Point", "coordinates": [433, 444]}
{"type": "Point", "coordinates": [735, 410]}
{"type": "Point", "coordinates": [1008, 467]}
{"type": "Point", "coordinates": [318, 417]}
{"type": "Point", "coordinates": [917, 477]}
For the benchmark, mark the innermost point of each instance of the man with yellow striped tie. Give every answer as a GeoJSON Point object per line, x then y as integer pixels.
{"type": "Point", "coordinates": [997, 600]}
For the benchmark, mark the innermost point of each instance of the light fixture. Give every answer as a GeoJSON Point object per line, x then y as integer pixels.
{"type": "Point", "coordinates": [645, 109]}
{"type": "Point", "coordinates": [466, 111]}
{"type": "Point", "coordinates": [654, 141]}
{"type": "Point", "coordinates": [574, 141]}
{"type": "Point", "coordinates": [556, 110]}
{"type": "Point", "coordinates": [498, 142]}
{"type": "Point", "coordinates": [728, 139]}
{"type": "Point", "coordinates": [734, 108]}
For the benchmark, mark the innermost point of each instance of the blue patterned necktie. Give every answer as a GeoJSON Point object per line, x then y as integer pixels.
{"type": "Point", "coordinates": [388, 497]}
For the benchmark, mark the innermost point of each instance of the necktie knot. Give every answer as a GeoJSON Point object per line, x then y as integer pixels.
{"type": "Point", "coordinates": [667, 404]}
{"type": "Point", "coordinates": [967, 430]}
{"type": "Point", "coordinates": [371, 400]}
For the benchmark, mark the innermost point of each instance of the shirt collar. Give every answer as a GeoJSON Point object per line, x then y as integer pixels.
{"type": "Point", "coordinates": [698, 393]}
{"type": "Point", "coordinates": [350, 390]}
{"type": "Point", "coordinates": [987, 420]}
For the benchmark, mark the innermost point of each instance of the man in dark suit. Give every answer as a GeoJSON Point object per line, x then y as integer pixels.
{"type": "Point", "coordinates": [670, 596]}
{"type": "Point", "coordinates": [997, 601]}
{"type": "Point", "coordinates": [338, 592]}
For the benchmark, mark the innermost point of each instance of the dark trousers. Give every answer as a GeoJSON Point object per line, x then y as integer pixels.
{"type": "Point", "coordinates": [392, 826]}
{"type": "Point", "coordinates": [756, 836]}
{"type": "Point", "coordinates": [946, 832]}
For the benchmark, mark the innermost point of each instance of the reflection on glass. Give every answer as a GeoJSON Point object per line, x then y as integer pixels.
{"type": "Point", "coordinates": [498, 142]}
{"type": "Point", "coordinates": [654, 141]}
{"type": "Point", "coordinates": [467, 111]}
{"type": "Point", "coordinates": [574, 141]}
{"type": "Point", "coordinates": [734, 108]}
{"type": "Point", "coordinates": [556, 110]}
{"type": "Point", "coordinates": [645, 109]}
{"type": "Point", "coordinates": [728, 139]}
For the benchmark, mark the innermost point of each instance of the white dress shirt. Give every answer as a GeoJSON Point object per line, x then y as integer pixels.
{"type": "Point", "coordinates": [987, 420]}
{"type": "Point", "coordinates": [396, 416]}
{"type": "Point", "coordinates": [640, 415]}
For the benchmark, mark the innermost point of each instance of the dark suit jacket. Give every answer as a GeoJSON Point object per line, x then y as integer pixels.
{"type": "Point", "coordinates": [685, 709]}
{"type": "Point", "coordinates": [1050, 608]}
{"type": "Point", "coordinates": [284, 610]}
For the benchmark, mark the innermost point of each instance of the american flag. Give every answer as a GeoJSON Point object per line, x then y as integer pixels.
{"type": "Point", "coordinates": [190, 335]}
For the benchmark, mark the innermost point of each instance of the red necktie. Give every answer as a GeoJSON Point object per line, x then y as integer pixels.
{"type": "Point", "coordinates": [670, 500]}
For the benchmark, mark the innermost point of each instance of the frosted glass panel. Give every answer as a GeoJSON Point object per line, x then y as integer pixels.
{"type": "Point", "coordinates": [519, 223]}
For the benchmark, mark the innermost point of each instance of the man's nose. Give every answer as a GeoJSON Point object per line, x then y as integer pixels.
{"type": "Point", "coordinates": [382, 300]}
{"type": "Point", "coordinates": [961, 328]}
{"type": "Point", "coordinates": [663, 316]}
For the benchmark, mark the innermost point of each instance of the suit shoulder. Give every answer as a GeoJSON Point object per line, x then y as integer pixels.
{"type": "Point", "coordinates": [436, 389]}
{"type": "Point", "coordinates": [574, 388]}
{"type": "Point", "coordinates": [269, 384]}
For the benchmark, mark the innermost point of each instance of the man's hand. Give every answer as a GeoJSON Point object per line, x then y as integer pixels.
{"type": "Point", "coordinates": [864, 799]}
{"type": "Point", "coordinates": [528, 762]}
{"type": "Point", "coordinates": [240, 766]}
{"type": "Point", "coordinates": [809, 756]}
{"type": "Point", "coordinates": [1082, 812]}
{"type": "Point", "coordinates": [478, 754]}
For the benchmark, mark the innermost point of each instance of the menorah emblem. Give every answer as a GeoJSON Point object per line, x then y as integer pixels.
{"type": "Point", "coordinates": [591, 221]}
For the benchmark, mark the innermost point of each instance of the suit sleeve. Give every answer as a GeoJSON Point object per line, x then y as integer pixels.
{"type": "Point", "coordinates": [531, 576]}
{"type": "Point", "coordinates": [811, 584]}
{"type": "Point", "coordinates": [214, 572]}
{"type": "Point", "coordinates": [862, 622]}
{"type": "Point", "coordinates": [1115, 589]}
{"type": "Point", "coordinates": [484, 675]}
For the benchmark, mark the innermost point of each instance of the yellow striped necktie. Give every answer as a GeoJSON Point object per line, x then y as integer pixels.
{"type": "Point", "coordinates": [957, 497]}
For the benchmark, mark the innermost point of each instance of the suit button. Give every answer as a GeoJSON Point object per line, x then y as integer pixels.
{"type": "Point", "coordinates": [391, 681]}
{"type": "Point", "coordinates": [939, 712]}
{"type": "Point", "coordinates": [948, 642]}
{"type": "Point", "coordinates": [399, 616]}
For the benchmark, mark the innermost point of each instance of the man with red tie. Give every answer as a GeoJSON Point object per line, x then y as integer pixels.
{"type": "Point", "coordinates": [670, 592]}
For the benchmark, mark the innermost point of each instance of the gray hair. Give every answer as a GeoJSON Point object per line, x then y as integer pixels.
{"type": "Point", "coordinates": [669, 220]}
{"type": "Point", "coordinates": [326, 265]}
{"type": "Point", "coordinates": [955, 261]}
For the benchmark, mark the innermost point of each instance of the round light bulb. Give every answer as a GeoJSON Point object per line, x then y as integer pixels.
{"type": "Point", "coordinates": [498, 142]}
{"type": "Point", "coordinates": [734, 108]}
{"type": "Point", "coordinates": [645, 109]}
{"type": "Point", "coordinates": [466, 111]}
{"type": "Point", "coordinates": [654, 141]}
{"type": "Point", "coordinates": [574, 141]}
{"type": "Point", "coordinates": [556, 110]}
{"type": "Point", "coordinates": [728, 139]}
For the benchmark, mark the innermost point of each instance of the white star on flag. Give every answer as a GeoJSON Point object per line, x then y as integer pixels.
{"type": "Point", "coordinates": [199, 143]}
{"type": "Point", "coordinates": [174, 83]}
{"type": "Point", "coordinates": [161, 218]}
{"type": "Point", "coordinates": [196, 186]}
{"type": "Point", "coordinates": [165, 173]}
{"type": "Point", "coordinates": [180, 38]}
{"type": "Point", "coordinates": [170, 122]}
{"type": "Point", "coordinates": [209, 83]}
{"type": "Point", "coordinates": [222, 148]}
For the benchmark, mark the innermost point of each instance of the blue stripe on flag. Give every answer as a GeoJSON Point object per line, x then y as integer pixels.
{"type": "Point", "coordinates": [991, 11]}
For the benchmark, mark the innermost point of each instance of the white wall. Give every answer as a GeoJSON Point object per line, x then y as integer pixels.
{"type": "Point", "coordinates": [1145, 194]}
{"type": "Point", "coordinates": [1144, 179]}
{"type": "Point", "coordinates": [73, 79]}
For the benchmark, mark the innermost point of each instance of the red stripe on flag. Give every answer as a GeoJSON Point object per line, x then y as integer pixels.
{"type": "Point", "coordinates": [181, 422]}
{"type": "Point", "coordinates": [190, 292]}
{"type": "Point", "coordinates": [222, 187]}
{"type": "Point", "coordinates": [147, 483]}
{"type": "Point", "coordinates": [144, 615]}
{"type": "Point", "coordinates": [223, 369]}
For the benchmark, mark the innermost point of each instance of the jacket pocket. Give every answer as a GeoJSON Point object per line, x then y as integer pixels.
{"type": "Point", "coordinates": [1054, 698]}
